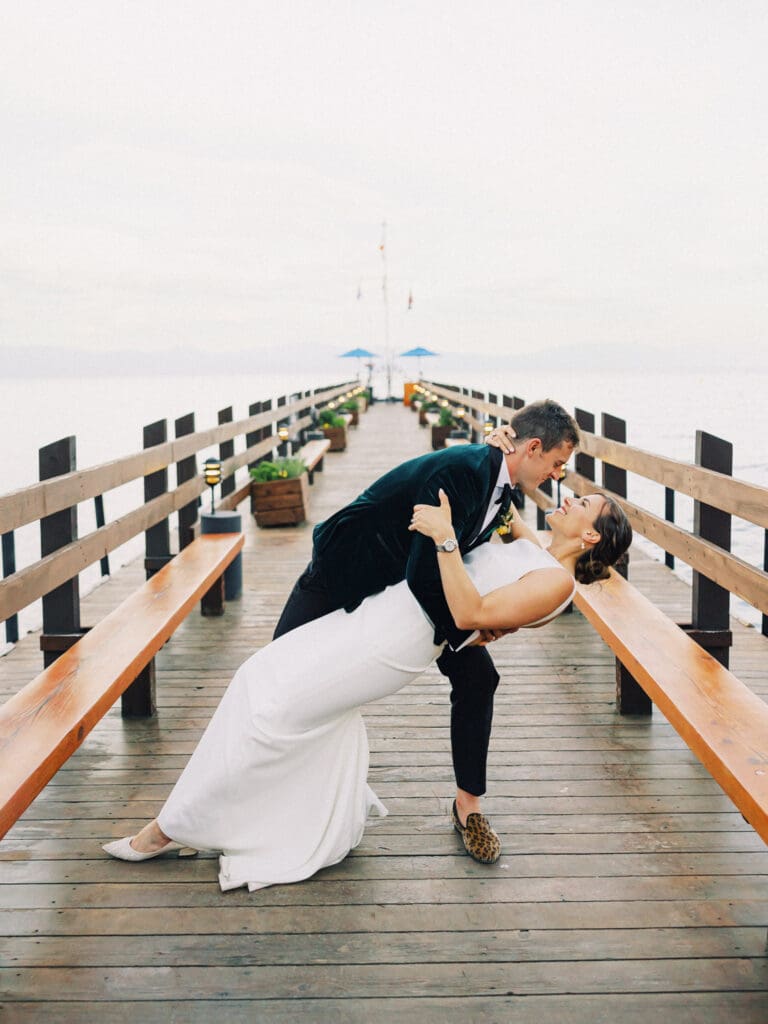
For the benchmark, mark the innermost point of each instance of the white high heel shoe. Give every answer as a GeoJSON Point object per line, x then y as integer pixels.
{"type": "Point", "coordinates": [122, 850]}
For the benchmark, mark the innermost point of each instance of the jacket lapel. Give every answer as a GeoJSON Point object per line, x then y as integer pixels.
{"type": "Point", "coordinates": [494, 463]}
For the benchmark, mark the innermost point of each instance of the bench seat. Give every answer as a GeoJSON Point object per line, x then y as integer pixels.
{"type": "Point", "coordinates": [723, 722]}
{"type": "Point", "coordinates": [46, 721]}
{"type": "Point", "coordinates": [312, 455]}
{"type": "Point", "coordinates": [451, 441]}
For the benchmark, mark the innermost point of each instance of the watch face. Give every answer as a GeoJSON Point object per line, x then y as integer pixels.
{"type": "Point", "coordinates": [448, 545]}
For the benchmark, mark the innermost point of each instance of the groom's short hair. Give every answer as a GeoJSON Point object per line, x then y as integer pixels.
{"type": "Point", "coordinates": [548, 421]}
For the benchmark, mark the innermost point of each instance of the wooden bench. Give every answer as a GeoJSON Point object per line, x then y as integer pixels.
{"type": "Point", "coordinates": [451, 441]}
{"type": "Point", "coordinates": [50, 717]}
{"type": "Point", "coordinates": [723, 722]}
{"type": "Point", "coordinates": [312, 455]}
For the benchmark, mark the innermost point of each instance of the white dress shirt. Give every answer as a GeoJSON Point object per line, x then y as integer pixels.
{"type": "Point", "coordinates": [491, 512]}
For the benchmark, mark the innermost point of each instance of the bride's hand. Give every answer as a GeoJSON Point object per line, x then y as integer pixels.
{"type": "Point", "coordinates": [433, 520]}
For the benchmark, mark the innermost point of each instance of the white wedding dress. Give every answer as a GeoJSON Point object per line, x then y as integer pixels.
{"type": "Point", "coordinates": [278, 783]}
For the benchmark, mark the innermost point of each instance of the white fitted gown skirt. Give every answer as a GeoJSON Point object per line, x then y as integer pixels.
{"type": "Point", "coordinates": [278, 783]}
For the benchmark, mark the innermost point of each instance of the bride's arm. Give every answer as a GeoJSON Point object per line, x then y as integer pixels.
{"type": "Point", "coordinates": [532, 598]}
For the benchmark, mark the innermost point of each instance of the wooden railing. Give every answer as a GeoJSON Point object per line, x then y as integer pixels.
{"type": "Point", "coordinates": [717, 496]}
{"type": "Point", "coordinates": [54, 501]}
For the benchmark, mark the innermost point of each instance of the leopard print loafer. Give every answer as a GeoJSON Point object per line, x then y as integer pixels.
{"type": "Point", "coordinates": [480, 840]}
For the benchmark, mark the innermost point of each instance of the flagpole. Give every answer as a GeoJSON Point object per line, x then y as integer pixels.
{"type": "Point", "coordinates": [387, 353]}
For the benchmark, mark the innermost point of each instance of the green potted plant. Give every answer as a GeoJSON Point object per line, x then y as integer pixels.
{"type": "Point", "coordinates": [352, 406]}
{"type": "Point", "coordinates": [279, 492]}
{"type": "Point", "coordinates": [443, 427]}
{"type": "Point", "coordinates": [335, 429]}
{"type": "Point", "coordinates": [426, 406]}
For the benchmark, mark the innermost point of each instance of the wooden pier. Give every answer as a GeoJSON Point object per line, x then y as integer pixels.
{"type": "Point", "coordinates": [629, 889]}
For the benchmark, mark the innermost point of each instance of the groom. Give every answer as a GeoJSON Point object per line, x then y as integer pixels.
{"type": "Point", "coordinates": [366, 546]}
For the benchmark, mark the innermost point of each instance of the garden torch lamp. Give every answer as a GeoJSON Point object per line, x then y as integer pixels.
{"type": "Point", "coordinates": [488, 427]}
{"type": "Point", "coordinates": [212, 475]}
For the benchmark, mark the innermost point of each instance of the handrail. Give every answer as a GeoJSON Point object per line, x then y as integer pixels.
{"type": "Point", "coordinates": [739, 497]}
{"type": "Point", "coordinates": [28, 504]}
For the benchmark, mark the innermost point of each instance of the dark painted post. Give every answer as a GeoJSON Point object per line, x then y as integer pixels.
{"type": "Point", "coordinates": [518, 498]}
{"type": "Point", "coordinates": [517, 403]}
{"type": "Point", "coordinates": [266, 431]}
{"type": "Point", "coordinates": [98, 503]}
{"type": "Point", "coordinates": [631, 698]}
{"type": "Point", "coordinates": [614, 478]}
{"type": "Point", "coordinates": [541, 518]}
{"type": "Point", "coordinates": [254, 436]}
{"type": "Point", "coordinates": [157, 538]}
{"type": "Point", "coordinates": [186, 469]}
{"type": "Point", "coordinates": [226, 451]}
{"type": "Point", "coordinates": [475, 412]}
{"type": "Point", "coordinates": [711, 602]}
{"type": "Point", "coordinates": [669, 515]}
{"type": "Point", "coordinates": [61, 607]}
{"type": "Point", "coordinates": [9, 568]}
{"type": "Point", "coordinates": [585, 464]}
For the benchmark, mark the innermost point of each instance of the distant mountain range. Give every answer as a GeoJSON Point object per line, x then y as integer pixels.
{"type": "Point", "coordinates": [49, 361]}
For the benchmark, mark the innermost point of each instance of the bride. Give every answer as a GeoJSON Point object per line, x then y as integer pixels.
{"type": "Point", "coordinates": [278, 783]}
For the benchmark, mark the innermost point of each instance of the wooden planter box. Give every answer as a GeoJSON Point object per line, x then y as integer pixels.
{"type": "Point", "coordinates": [338, 438]}
{"type": "Point", "coordinates": [439, 434]}
{"type": "Point", "coordinates": [280, 502]}
{"type": "Point", "coordinates": [354, 413]}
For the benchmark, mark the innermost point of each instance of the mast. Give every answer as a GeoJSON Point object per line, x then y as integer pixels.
{"type": "Point", "coordinates": [385, 297]}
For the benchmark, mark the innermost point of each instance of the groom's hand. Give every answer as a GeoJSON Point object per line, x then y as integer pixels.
{"type": "Point", "coordinates": [487, 636]}
{"type": "Point", "coordinates": [502, 437]}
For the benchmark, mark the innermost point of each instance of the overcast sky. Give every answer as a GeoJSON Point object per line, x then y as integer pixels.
{"type": "Point", "coordinates": [551, 173]}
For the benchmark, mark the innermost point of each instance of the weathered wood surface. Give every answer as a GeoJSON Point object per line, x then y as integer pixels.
{"type": "Point", "coordinates": [43, 723]}
{"type": "Point", "coordinates": [629, 887]}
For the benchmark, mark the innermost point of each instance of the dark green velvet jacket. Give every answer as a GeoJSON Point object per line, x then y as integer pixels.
{"type": "Point", "coordinates": [366, 546]}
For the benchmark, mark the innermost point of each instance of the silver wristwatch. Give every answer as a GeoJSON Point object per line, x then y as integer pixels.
{"type": "Point", "coordinates": [449, 544]}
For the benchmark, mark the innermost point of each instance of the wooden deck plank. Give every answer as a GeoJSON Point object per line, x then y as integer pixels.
{"type": "Point", "coordinates": [628, 887]}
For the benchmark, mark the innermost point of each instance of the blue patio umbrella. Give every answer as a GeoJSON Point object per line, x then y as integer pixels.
{"type": "Point", "coordinates": [418, 353]}
{"type": "Point", "coordinates": [358, 354]}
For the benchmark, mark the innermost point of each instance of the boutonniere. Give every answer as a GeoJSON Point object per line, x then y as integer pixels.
{"type": "Point", "coordinates": [505, 526]}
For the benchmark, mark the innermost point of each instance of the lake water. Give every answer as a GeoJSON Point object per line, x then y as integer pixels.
{"type": "Point", "coordinates": [662, 411]}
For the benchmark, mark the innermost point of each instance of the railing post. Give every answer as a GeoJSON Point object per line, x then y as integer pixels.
{"type": "Point", "coordinates": [266, 431]}
{"type": "Point", "coordinates": [226, 451]}
{"type": "Point", "coordinates": [475, 432]}
{"type": "Point", "coordinates": [710, 626]}
{"type": "Point", "coordinates": [615, 479]}
{"type": "Point", "coordinates": [98, 504]}
{"type": "Point", "coordinates": [631, 698]}
{"type": "Point", "coordinates": [518, 497]}
{"type": "Point", "coordinates": [282, 446]}
{"type": "Point", "coordinates": [585, 464]}
{"type": "Point", "coordinates": [61, 607]}
{"type": "Point", "coordinates": [254, 436]}
{"type": "Point", "coordinates": [9, 568]}
{"type": "Point", "coordinates": [157, 538]}
{"type": "Point", "coordinates": [669, 515]}
{"type": "Point", "coordinates": [186, 469]}
{"type": "Point", "coordinates": [541, 518]}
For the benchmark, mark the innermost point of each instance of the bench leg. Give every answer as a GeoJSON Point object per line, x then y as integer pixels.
{"type": "Point", "coordinates": [631, 698]}
{"type": "Point", "coordinates": [213, 601]}
{"type": "Point", "coordinates": [138, 701]}
{"type": "Point", "coordinates": [311, 476]}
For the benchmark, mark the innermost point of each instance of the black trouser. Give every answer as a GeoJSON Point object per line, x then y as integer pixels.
{"type": "Point", "coordinates": [471, 672]}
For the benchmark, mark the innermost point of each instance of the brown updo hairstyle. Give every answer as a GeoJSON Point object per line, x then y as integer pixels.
{"type": "Point", "coordinates": [615, 538]}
